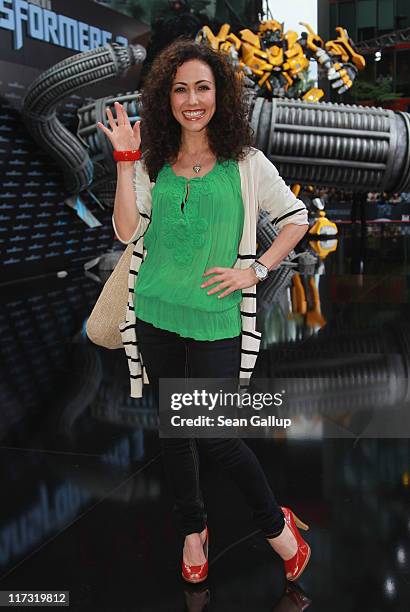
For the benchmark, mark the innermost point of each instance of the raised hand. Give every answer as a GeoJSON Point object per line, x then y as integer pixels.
{"type": "Point", "coordinates": [123, 137]}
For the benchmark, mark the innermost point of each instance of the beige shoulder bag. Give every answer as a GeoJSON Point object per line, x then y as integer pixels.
{"type": "Point", "coordinates": [111, 307]}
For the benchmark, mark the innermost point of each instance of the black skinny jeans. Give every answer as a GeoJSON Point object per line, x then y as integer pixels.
{"type": "Point", "coordinates": [168, 355]}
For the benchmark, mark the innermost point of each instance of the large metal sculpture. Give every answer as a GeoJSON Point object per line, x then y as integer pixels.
{"type": "Point", "coordinates": [58, 82]}
{"type": "Point", "coordinates": [320, 143]}
{"type": "Point", "coordinates": [335, 145]}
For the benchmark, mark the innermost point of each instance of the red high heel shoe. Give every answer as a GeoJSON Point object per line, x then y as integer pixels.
{"type": "Point", "coordinates": [197, 573]}
{"type": "Point", "coordinates": [296, 565]}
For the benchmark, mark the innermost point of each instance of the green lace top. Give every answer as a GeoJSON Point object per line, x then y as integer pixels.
{"type": "Point", "coordinates": [186, 236]}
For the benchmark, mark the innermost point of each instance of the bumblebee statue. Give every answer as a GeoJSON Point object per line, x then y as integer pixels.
{"type": "Point", "coordinates": [276, 64]}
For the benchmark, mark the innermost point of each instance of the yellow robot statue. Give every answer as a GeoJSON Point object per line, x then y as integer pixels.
{"type": "Point", "coordinates": [277, 63]}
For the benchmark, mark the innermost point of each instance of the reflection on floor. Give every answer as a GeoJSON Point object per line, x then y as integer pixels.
{"type": "Point", "coordinates": [84, 504]}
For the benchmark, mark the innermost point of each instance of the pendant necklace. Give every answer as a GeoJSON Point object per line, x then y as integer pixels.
{"type": "Point", "coordinates": [196, 168]}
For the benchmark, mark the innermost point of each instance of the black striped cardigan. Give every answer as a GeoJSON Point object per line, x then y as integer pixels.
{"type": "Point", "coordinates": [262, 188]}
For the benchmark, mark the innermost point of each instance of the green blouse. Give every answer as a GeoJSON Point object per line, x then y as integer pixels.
{"type": "Point", "coordinates": [185, 237]}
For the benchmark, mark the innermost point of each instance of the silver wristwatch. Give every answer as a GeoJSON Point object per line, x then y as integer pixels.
{"type": "Point", "coordinates": [261, 270]}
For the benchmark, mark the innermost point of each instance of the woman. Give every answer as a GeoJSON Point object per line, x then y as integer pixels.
{"type": "Point", "coordinates": [195, 134]}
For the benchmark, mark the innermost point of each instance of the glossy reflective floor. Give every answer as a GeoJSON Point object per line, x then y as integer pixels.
{"type": "Point", "coordinates": [85, 507]}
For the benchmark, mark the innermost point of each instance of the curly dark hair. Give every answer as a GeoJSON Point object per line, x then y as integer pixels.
{"type": "Point", "coordinates": [229, 132]}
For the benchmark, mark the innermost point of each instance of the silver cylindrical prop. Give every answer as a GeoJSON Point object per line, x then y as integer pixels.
{"type": "Point", "coordinates": [335, 145]}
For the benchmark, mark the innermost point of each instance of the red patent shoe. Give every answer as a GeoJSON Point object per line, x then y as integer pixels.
{"type": "Point", "coordinates": [197, 573]}
{"type": "Point", "coordinates": [295, 566]}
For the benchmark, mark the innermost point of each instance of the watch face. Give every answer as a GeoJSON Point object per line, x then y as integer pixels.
{"type": "Point", "coordinates": [262, 273]}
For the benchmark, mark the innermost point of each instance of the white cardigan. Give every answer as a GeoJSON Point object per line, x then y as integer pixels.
{"type": "Point", "coordinates": [262, 188]}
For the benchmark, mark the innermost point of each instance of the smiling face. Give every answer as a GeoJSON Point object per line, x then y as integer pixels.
{"type": "Point", "coordinates": [193, 95]}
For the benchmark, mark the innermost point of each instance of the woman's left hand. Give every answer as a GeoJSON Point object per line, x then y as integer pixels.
{"type": "Point", "coordinates": [230, 279]}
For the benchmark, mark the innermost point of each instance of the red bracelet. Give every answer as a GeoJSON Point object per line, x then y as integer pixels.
{"type": "Point", "coordinates": [132, 155]}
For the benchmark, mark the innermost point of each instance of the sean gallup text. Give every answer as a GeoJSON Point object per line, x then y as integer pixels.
{"type": "Point", "coordinates": [222, 421]}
